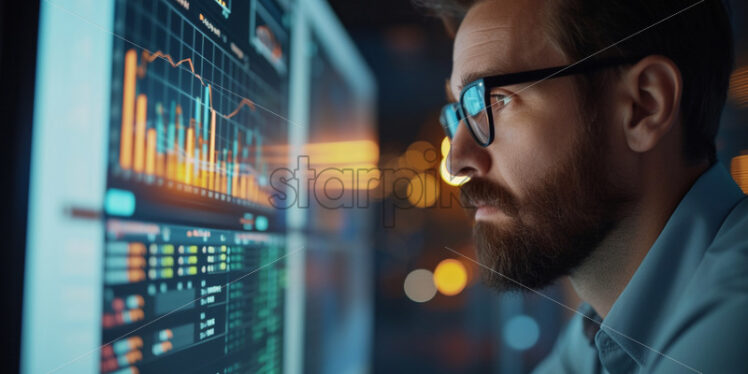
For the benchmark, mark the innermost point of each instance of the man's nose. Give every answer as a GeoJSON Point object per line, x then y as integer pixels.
{"type": "Point", "coordinates": [466, 157]}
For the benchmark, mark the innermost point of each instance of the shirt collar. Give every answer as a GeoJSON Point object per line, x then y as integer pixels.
{"type": "Point", "coordinates": [590, 322]}
{"type": "Point", "coordinates": [645, 303]}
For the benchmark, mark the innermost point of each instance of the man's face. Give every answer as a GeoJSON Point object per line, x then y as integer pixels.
{"type": "Point", "coordinates": [540, 194]}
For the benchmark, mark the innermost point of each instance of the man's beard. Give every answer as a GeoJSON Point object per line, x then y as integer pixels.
{"type": "Point", "coordinates": [562, 221]}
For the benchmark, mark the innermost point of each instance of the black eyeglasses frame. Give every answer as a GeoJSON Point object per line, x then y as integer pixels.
{"type": "Point", "coordinates": [491, 82]}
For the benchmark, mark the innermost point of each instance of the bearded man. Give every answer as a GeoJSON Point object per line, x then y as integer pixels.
{"type": "Point", "coordinates": [587, 128]}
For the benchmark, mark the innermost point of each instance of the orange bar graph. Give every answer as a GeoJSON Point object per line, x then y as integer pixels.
{"type": "Point", "coordinates": [235, 180]}
{"type": "Point", "coordinates": [178, 148]}
{"type": "Point", "coordinates": [150, 153]}
{"type": "Point", "coordinates": [171, 161]}
{"type": "Point", "coordinates": [190, 155]}
{"type": "Point", "coordinates": [212, 150]}
{"type": "Point", "coordinates": [251, 188]}
{"type": "Point", "coordinates": [140, 123]}
{"type": "Point", "coordinates": [201, 169]}
{"type": "Point", "coordinates": [223, 177]}
{"type": "Point", "coordinates": [179, 163]}
{"type": "Point", "coordinates": [242, 186]}
{"type": "Point", "coordinates": [171, 166]}
{"type": "Point", "coordinates": [128, 108]}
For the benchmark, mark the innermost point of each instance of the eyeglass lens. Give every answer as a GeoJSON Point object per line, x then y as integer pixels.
{"type": "Point", "coordinates": [474, 105]}
{"type": "Point", "coordinates": [450, 119]}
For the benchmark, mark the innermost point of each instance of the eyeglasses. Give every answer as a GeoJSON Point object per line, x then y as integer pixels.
{"type": "Point", "coordinates": [476, 96]}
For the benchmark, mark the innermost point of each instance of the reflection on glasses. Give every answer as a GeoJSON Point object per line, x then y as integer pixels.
{"type": "Point", "coordinates": [476, 96]}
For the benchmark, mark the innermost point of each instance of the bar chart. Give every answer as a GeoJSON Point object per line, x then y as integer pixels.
{"type": "Point", "coordinates": [193, 257]}
{"type": "Point", "coordinates": [190, 121]}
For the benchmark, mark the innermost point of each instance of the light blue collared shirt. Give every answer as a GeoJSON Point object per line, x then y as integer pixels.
{"type": "Point", "coordinates": [685, 310]}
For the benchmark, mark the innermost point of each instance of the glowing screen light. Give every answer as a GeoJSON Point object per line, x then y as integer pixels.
{"type": "Point", "coordinates": [739, 171]}
{"type": "Point", "coordinates": [446, 144]}
{"type": "Point", "coordinates": [739, 86]}
{"type": "Point", "coordinates": [450, 277]}
{"type": "Point", "coordinates": [450, 179]}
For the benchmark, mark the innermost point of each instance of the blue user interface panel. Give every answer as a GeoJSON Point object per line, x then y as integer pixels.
{"type": "Point", "coordinates": [153, 244]}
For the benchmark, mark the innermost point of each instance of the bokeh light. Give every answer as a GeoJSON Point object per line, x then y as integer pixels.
{"type": "Point", "coordinates": [420, 156]}
{"type": "Point", "coordinates": [739, 86]}
{"type": "Point", "coordinates": [521, 332]}
{"type": "Point", "coordinates": [446, 144]}
{"type": "Point", "coordinates": [450, 277]}
{"type": "Point", "coordinates": [739, 171]}
{"type": "Point", "coordinates": [449, 178]}
{"type": "Point", "coordinates": [419, 285]}
{"type": "Point", "coordinates": [423, 190]}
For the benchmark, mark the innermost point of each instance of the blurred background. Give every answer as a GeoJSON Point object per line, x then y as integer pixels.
{"type": "Point", "coordinates": [144, 138]}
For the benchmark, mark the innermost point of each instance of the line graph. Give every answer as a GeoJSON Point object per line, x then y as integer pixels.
{"type": "Point", "coordinates": [175, 129]}
{"type": "Point", "coordinates": [179, 150]}
{"type": "Point", "coordinates": [197, 119]}
{"type": "Point", "coordinates": [148, 57]}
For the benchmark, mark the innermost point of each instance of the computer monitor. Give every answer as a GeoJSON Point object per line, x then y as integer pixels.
{"type": "Point", "coordinates": [153, 242]}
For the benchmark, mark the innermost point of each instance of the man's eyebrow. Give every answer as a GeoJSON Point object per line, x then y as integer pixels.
{"type": "Point", "coordinates": [473, 76]}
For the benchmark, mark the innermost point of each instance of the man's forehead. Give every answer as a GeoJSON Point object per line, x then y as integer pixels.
{"type": "Point", "coordinates": [497, 36]}
{"type": "Point", "coordinates": [488, 16]}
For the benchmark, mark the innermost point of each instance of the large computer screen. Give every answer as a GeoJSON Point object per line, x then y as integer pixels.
{"type": "Point", "coordinates": [154, 243]}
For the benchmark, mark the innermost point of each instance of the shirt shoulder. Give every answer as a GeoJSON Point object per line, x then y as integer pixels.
{"type": "Point", "coordinates": [712, 329]}
{"type": "Point", "coordinates": [714, 341]}
{"type": "Point", "coordinates": [726, 259]}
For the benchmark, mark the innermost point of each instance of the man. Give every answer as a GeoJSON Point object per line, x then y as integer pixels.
{"type": "Point", "coordinates": [587, 128]}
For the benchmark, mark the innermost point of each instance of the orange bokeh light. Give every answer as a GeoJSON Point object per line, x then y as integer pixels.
{"type": "Point", "coordinates": [450, 277]}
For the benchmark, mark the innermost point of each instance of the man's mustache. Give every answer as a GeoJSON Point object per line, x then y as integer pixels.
{"type": "Point", "coordinates": [479, 192]}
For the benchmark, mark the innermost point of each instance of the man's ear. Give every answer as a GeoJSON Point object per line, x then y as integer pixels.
{"type": "Point", "coordinates": [653, 90]}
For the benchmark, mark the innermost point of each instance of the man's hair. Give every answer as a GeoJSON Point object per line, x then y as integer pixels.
{"type": "Point", "coordinates": [695, 35]}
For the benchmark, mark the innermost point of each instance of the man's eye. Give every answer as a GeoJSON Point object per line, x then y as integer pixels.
{"type": "Point", "coordinates": [499, 101]}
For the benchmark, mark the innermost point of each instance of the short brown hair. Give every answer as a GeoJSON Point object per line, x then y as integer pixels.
{"type": "Point", "coordinates": [695, 35]}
